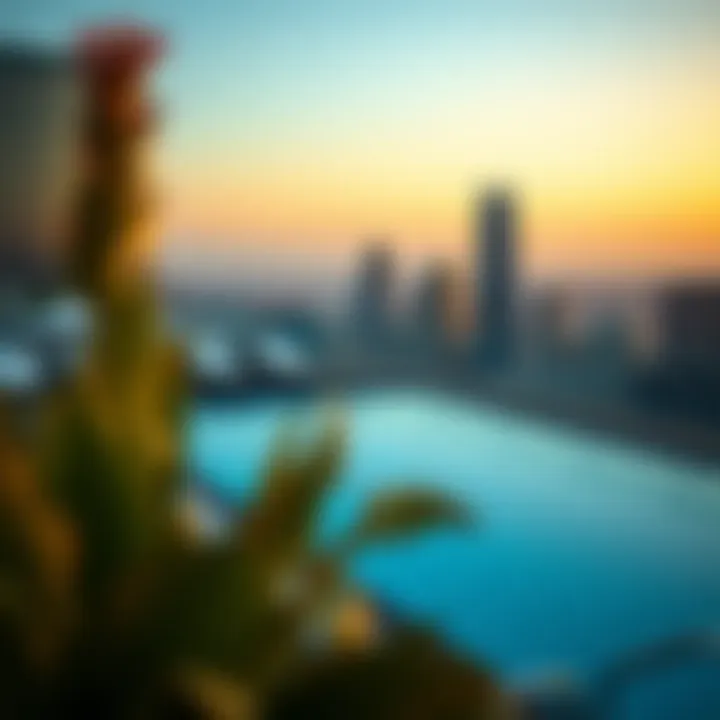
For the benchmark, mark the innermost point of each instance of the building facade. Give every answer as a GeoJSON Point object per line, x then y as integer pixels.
{"type": "Point", "coordinates": [495, 282]}
{"type": "Point", "coordinates": [374, 296]}
{"type": "Point", "coordinates": [39, 96]}
{"type": "Point", "coordinates": [435, 307]}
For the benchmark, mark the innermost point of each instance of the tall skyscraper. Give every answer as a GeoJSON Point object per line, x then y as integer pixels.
{"type": "Point", "coordinates": [495, 238]}
{"type": "Point", "coordinates": [373, 301]}
{"type": "Point", "coordinates": [38, 130]}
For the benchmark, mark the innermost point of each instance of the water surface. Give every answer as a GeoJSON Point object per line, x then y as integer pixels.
{"type": "Point", "coordinates": [586, 548]}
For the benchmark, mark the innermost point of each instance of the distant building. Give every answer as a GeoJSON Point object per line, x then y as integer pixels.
{"type": "Point", "coordinates": [294, 321]}
{"type": "Point", "coordinates": [435, 307]}
{"type": "Point", "coordinates": [39, 99]}
{"type": "Point", "coordinates": [684, 380]}
{"type": "Point", "coordinates": [546, 329]}
{"type": "Point", "coordinates": [495, 239]}
{"type": "Point", "coordinates": [374, 296]}
{"type": "Point", "coordinates": [690, 324]}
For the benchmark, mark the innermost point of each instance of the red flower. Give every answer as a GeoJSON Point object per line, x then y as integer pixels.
{"type": "Point", "coordinates": [118, 52]}
{"type": "Point", "coordinates": [113, 60]}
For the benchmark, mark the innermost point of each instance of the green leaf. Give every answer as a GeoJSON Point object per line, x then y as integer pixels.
{"type": "Point", "coordinates": [403, 512]}
{"type": "Point", "coordinates": [201, 692]}
{"type": "Point", "coordinates": [410, 675]}
{"type": "Point", "coordinates": [281, 524]}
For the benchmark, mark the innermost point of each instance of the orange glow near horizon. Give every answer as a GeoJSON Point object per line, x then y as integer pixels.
{"type": "Point", "coordinates": [615, 159]}
{"type": "Point", "coordinates": [647, 225]}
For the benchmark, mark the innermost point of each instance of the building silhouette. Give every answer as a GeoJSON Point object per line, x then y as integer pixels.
{"type": "Point", "coordinates": [690, 324]}
{"type": "Point", "coordinates": [434, 307]}
{"type": "Point", "coordinates": [545, 332]}
{"type": "Point", "coordinates": [495, 280]}
{"type": "Point", "coordinates": [374, 296]}
{"type": "Point", "coordinates": [39, 99]}
{"type": "Point", "coordinates": [684, 380]}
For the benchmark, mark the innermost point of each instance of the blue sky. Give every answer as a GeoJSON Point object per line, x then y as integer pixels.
{"type": "Point", "coordinates": [325, 119]}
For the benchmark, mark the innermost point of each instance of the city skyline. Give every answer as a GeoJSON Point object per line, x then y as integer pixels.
{"type": "Point", "coordinates": [307, 126]}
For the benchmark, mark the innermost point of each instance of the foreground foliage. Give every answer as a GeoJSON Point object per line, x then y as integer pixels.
{"type": "Point", "coordinates": [115, 602]}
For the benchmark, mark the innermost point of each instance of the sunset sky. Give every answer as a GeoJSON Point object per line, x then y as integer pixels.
{"type": "Point", "coordinates": [304, 125]}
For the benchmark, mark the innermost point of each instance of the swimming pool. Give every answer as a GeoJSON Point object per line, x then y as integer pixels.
{"type": "Point", "coordinates": [587, 548]}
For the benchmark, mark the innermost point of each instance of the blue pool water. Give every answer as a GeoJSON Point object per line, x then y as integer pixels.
{"type": "Point", "coordinates": [587, 548]}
